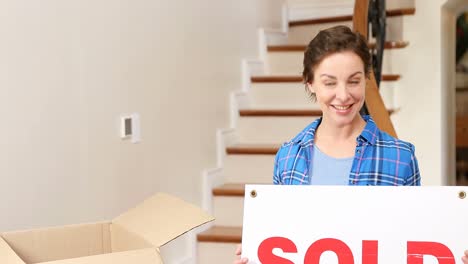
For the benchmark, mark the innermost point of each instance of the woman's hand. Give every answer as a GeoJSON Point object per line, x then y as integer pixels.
{"type": "Point", "coordinates": [464, 258]}
{"type": "Point", "coordinates": [244, 260]}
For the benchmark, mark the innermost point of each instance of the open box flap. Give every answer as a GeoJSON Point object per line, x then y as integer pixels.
{"type": "Point", "coordinates": [142, 256]}
{"type": "Point", "coordinates": [7, 255]}
{"type": "Point", "coordinates": [61, 242]}
{"type": "Point", "coordinates": [162, 218]}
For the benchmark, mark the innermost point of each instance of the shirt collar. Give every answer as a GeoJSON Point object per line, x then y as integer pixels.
{"type": "Point", "coordinates": [370, 131]}
{"type": "Point", "coordinates": [369, 134]}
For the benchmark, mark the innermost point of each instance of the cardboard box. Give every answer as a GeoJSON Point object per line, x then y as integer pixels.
{"type": "Point", "coordinates": [132, 238]}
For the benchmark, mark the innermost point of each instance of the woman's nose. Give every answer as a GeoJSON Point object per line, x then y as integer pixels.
{"type": "Point", "coordinates": [342, 93]}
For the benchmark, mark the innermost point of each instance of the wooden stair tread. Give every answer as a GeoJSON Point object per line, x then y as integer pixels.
{"type": "Point", "coordinates": [301, 48]}
{"type": "Point", "coordinates": [276, 78]}
{"type": "Point", "coordinates": [390, 77]}
{"type": "Point", "coordinates": [298, 78]}
{"type": "Point", "coordinates": [279, 112]}
{"type": "Point", "coordinates": [390, 13]}
{"type": "Point", "coordinates": [284, 112]}
{"type": "Point", "coordinates": [221, 234]}
{"type": "Point", "coordinates": [230, 189]}
{"type": "Point", "coordinates": [253, 149]}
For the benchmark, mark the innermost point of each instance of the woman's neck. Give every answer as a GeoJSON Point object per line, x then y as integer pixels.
{"type": "Point", "coordinates": [330, 131]}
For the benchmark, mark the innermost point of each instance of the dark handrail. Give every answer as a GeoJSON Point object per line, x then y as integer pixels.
{"type": "Point", "coordinates": [377, 21]}
{"type": "Point", "coordinates": [374, 102]}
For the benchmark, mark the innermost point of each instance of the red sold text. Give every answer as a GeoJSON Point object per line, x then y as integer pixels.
{"type": "Point", "coordinates": [415, 251]}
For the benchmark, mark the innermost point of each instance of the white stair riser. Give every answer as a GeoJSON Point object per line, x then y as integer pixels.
{"type": "Point", "coordinates": [285, 62]}
{"type": "Point", "coordinates": [271, 130]}
{"type": "Point", "coordinates": [387, 91]}
{"type": "Point", "coordinates": [290, 62]}
{"type": "Point", "coordinates": [249, 168]}
{"type": "Point", "coordinates": [280, 96]}
{"type": "Point", "coordinates": [293, 96]}
{"type": "Point", "coordinates": [228, 210]}
{"type": "Point", "coordinates": [304, 34]}
{"type": "Point", "coordinates": [215, 253]}
{"type": "Point", "coordinates": [392, 60]}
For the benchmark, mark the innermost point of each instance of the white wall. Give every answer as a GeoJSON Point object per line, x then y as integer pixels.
{"type": "Point", "coordinates": [426, 95]}
{"type": "Point", "coordinates": [70, 68]}
{"type": "Point", "coordinates": [420, 118]}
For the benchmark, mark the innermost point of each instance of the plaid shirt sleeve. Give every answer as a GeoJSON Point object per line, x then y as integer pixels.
{"type": "Point", "coordinates": [276, 171]}
{"type": "Point", "coordinates": [413, 178]}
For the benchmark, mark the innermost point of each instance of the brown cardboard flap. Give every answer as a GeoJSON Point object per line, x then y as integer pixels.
{"type": "Point", "coordinates": [7, 255]}
{"type": "Point", "coordinates": [56, 243]}
{"type": "Point", "coordinates": [162, 218]}
{"type": "Point", "coordinates": [123, 240]}
{"type": "Point", "coordinates": [142, 256]}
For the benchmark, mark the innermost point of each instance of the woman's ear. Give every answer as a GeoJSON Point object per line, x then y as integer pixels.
{"type": "Point", "coordinates": [310, 87]}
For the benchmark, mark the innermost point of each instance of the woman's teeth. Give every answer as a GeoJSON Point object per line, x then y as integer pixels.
{"type": "Point", "coordinates": [340, 107]}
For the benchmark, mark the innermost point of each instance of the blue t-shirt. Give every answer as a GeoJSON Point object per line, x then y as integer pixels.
{"type": "Point", "coordinates": [329, 170]}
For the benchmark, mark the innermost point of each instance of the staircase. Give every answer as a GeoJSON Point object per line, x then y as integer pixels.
{"type": "Point", "coordinates": [271, 109]}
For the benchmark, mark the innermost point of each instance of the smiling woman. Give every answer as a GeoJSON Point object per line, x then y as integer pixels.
{"type": "Point", "coordinates": [339, 90]}
{"type": "Point", "coordinates": [342, 147]}
{"type": "Point", "coordinates": [336, 66]}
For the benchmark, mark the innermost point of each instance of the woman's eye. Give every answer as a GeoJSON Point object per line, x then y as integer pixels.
{"type": "Point", "coordinates": [329, 84]}
{"type": "Point", "coordinates": [354, 82]}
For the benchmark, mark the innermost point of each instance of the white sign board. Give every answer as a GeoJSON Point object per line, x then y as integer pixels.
{"type": "Point", "coordinates": [351, 224]}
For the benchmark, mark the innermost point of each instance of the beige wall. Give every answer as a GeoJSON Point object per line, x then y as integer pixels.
{"type": "Point", "coordinates": [69, 69]}
{"type": "Point", "coordinates": [420, 118]}
{"type": "Point", "coordinates": [427, 88]}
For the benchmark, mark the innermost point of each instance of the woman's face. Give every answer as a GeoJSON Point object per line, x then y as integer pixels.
{"type": "Point", "coordinates": [339, 85]}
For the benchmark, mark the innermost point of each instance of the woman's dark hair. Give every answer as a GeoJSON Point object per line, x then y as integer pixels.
{"type": "Point", "coordinates": [329, 41]}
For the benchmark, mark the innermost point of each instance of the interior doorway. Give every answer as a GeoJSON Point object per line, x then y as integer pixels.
{"type": "Point", "coordinates": [461, 97]}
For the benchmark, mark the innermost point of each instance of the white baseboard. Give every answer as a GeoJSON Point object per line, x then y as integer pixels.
{"type": "Point", "coordinates": [191, 240]}
{"type": "Point", "coordinates": [275, 36]}
{"type": "Point", "coordinates": [214, 177]}
{"type": "Point", "coordinates": [224, 138]}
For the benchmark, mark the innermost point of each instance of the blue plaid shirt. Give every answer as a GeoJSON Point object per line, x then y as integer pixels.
{"type": "Point", "coordinates": [380, 159]}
